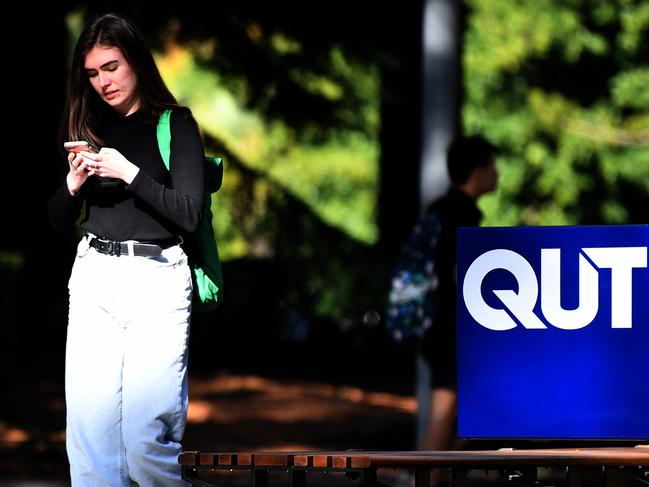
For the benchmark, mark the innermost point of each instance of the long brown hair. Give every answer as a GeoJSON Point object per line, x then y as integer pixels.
{"type": "Point", "coordinates": [84, 106]}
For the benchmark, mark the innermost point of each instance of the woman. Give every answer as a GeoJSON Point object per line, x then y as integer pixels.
{"type": "Point", "coordinates": [130, 287]}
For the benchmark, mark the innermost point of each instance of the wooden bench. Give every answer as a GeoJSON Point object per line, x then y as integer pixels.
{"type": "Point", "coordinates": [363, 465]}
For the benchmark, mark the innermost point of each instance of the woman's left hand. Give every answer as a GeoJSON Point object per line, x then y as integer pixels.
{"type": "Point", "coordinates": [110, 163]}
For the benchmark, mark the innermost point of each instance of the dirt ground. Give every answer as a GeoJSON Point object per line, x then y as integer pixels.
{"type": "Point", "coordinates": [233, 411]}
{"type": "Point", "coordinates": [228, 412]}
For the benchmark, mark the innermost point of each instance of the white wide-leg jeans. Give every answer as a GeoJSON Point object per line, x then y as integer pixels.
{"type": "Point", "coordinates": [126, 368]}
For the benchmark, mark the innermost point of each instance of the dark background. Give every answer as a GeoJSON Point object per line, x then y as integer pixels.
{"type": "Point", "coordinates": [242, 357]}
{"type": "Point", "coordinates": [34, 292]}
{"type": "Point", "coordinates": [246, 335]}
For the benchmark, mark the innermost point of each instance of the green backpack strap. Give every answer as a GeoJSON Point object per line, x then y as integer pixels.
{"type": "Point", "coordinates": [213, 165]}
{"type": "Point", "coordinates": [206, 267]}
{"type": "Point", "coordinates": [164, 136]}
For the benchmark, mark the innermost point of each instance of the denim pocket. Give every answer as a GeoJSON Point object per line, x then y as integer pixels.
{"type": "Point", "coordinates": [82, 250]}
{"type": "Point", "coordinates": [83, 247]}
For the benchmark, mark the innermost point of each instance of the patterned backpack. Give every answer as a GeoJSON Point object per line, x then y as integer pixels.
{"type": "Point", "coordinates": [413, 300]}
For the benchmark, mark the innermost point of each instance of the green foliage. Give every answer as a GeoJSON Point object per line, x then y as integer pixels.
{"type": "Point", "coordinates": [629, 89]}
{"type": "Point", "coordinates": [560, 85]}
{"type": "Point", "coordinates": [335, 174]}
{"type": "Point", "coordinates": [562, 88]}
{"type": "Point", "coordinates": [12, 260]}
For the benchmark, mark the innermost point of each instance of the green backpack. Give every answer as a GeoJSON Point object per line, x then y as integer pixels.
{"type": "Point", "coordinates": [204, 256]}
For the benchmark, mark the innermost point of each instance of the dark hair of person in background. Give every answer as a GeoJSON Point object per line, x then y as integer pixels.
{"type": "Point", "coordinates": [465, 154]}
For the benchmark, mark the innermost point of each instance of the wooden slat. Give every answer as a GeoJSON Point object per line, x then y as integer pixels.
{"type": "Point", "coordinates": [594, 457]}
{"type": "Point", "coordinates": [244, 459]}
{"type": "Point", "coordinates": [270, 460]}
{"type": "Point", "coordinates": [322, 461]}
{"type": "Point", "coordinates": [302, 460]}
{"type": "Point", "coordinates": [341, 461]}
{"type": "Point", "coordinates": [207, 458]}
{"type": "Point", "coordinates": [187, 458]}
{"type": "Point", "coordinates": [227, 459]}
{"type": "Point", "coordinates": [361, 461]}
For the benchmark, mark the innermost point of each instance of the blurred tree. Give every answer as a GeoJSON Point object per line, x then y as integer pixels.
{"type": "Point", "coordinates": [562, 87]}
{"type": "Point", "coordinates": [291, 62]}
{"type": "Point", "coordinates": [277, 59]}
{"type": "Point", "coordinates": [329, 83]}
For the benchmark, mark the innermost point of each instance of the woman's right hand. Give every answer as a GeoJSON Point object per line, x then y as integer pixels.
{"type": "Point", "coordinates": [80, 170]}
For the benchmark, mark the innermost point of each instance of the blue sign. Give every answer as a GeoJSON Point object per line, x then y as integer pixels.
{"type": "Point", "coordinates": [553, 332]}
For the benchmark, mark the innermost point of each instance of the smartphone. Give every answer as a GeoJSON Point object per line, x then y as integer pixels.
{"type": "Point", "coordinates": [77, 146]}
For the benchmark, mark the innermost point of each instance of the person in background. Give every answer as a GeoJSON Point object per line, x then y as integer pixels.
{"type": "Point", "coordinates": [130, 287]}
{"type": "Point", "coordinates": [472, 169]}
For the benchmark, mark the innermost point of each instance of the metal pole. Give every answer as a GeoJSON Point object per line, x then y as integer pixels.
{"type": "Point", "coordinates": [440, 122]}
{"type": "Point", "coordinates": [440, 97]}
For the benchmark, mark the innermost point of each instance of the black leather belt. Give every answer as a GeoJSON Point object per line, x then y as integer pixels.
{"type": "Point", "coordinates": [140, 249]}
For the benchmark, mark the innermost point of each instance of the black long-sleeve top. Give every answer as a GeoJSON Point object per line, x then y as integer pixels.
{"type": "Point", "coordinates": [158, 204]}
{"type": "Point", "coordinates": [455, 209]}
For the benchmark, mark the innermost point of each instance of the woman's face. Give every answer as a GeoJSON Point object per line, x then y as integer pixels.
{"type": "Point", "coordinates": [112, 78]}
